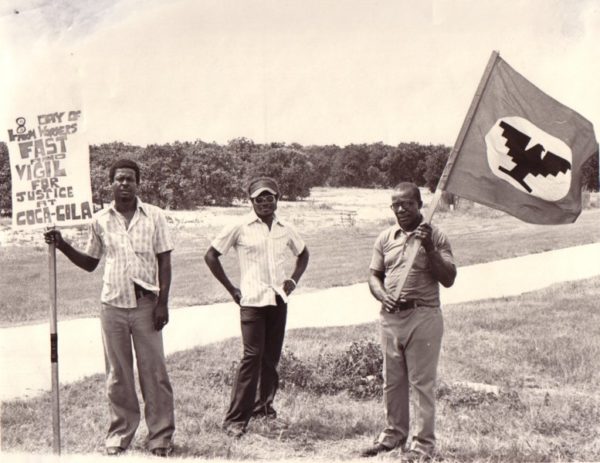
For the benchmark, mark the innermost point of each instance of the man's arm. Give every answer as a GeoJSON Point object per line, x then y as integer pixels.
{"type": "Point", "coordinates": [301, 263]}
{"type": "Point", "coordinates": [161, 310]}
{"type": "Point", "coordinates": [377, 287]}
{"type": "Point", "coordinates": [214, 264]}
{"type": "Point", "coordinates": [443, 271]}
{"type": "Point", "coordinates": [81, 259]}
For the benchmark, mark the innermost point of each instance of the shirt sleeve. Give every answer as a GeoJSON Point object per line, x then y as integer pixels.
{"type": "Point", "coordinates": [94, 247]}
{"type": "Point", "coordinates": [377, 262]}
{"type": "Point", "coordinates": [442, 245]}
{"type": "Point", "coordinates": [162, 236]}
{"type": "Point", "coordinates": [226, 238]}
{"type": "Point", "coordinates": [295, 241]}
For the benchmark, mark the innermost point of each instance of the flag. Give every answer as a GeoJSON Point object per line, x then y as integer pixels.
{"type": "Point", "coordinates": [522, 151]}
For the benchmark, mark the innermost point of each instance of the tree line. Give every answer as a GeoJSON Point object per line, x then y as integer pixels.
{"type": "Point", "coordinates": [186, 175]}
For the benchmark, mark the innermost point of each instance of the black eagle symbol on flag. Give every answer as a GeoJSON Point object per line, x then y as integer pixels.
{"type": "Point", "coordinates": [529, 161]}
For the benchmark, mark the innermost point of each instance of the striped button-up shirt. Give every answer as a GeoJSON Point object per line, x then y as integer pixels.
{"type": "Point", "coordinates": [130, 251]}
{"type": "Point", "coordinates": [262, 255]}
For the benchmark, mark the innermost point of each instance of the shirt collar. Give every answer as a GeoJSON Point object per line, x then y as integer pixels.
{"type": "Point", "coordinates": [139, 206]}
{"type": "Point", "coordinates": [398, 229]}
{"type": "Point", "coordinates": [252, 217]}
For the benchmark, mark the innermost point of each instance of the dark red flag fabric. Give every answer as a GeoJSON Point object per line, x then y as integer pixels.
{"type": "Point", "coordinates": [522, 152]}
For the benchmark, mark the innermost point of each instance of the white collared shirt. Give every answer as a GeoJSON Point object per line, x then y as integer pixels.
{"type": "Point", "coordinates": [130, 251]}
{"type": "Point", "coordinates": [262, 254]}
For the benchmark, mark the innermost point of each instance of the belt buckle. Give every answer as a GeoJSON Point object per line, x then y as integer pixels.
{"type": "Point", "coordinates": [406, 304]}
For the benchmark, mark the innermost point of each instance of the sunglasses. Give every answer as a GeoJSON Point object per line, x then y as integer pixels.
{"type": "Point", "coordinates": [264, 199]}
{"type": "Point", "coordinates": [403, 204]}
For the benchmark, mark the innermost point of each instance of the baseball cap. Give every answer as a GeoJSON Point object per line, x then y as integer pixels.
{"type": "Point", "coordinates": [262, 184]}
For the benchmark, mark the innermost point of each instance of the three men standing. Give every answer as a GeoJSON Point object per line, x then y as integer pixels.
{"type": "Point", "coordinates": [411, 325]}
{"type": "Point", "coordinates": [134, 238]}
{"type": "Point", "coordinates": [262, 241]}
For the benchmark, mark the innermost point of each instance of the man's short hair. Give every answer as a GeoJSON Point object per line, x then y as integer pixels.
{"type": "Point", "coordinates": [125, 164]}
{"type": "Point", "coordinates": [412, 187]}
{"type": "Point", "coordinates": [259, 184]}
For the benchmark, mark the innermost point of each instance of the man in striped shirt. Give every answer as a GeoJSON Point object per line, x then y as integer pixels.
{"type": "Point", "coordinates": [262, 241]}
{"type": "Point", "coordinates": [134, 239]}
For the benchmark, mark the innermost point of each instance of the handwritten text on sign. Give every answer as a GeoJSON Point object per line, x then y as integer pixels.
{"type": "Point", "coordinates": [50, 171]}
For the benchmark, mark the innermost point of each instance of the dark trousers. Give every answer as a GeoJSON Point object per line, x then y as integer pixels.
{"type": "Point", "coordinates": [263, 330]}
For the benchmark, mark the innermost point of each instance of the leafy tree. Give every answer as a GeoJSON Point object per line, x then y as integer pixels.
{"type": "Point", "coordinates": [434, 166]}
{"type": "Point", "coordinates": [591, 176]}
{"type": "Point", "coordinates": [212, 175]}
{"type": "Point", "coordinates": [349, 167]}
{"type": "Point", "coordinates": [5, 176]}
{"type": "Point", "coordinates": [291, 168]}
{"type": "Point", "coordinates": [243, 147]}
{"type": "Point", "coordinates": [377, 172]}
{"type": "Point", "coordinates": [404, 164]}
{"type": "Point", "coordinates": [321, 159]}
{"type": "Point", "coordinates": [162, 175]}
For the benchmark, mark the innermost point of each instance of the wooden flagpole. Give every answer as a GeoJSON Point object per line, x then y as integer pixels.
{"type": "Point", "coordinates": [54, 350]}
{"type": "Point", "coordinates": [414, 245]}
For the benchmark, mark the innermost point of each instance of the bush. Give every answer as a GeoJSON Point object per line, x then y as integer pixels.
{"type": "Point", "coordinates": [357, 371]}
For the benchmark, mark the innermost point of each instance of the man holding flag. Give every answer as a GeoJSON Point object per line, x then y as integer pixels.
{"type": "Point", "coordinates": [518, 150]}
{"type": "Point", "coordinates": [411, 325]}
{"type": "Point", "coordinates": [134, 238]}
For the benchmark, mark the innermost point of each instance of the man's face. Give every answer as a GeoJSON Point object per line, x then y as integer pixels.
{"type": "Point", "coordinates": [264, 204]}
{"type": "Point", "coordinates": [405, 207]}
{"type": "Point", "coordinates": [124, 185]}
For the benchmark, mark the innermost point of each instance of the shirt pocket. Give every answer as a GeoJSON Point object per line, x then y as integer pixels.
{"type": "Point", "coordinates": [252, 243]}
{"type": "Point", "coordinates": [421, 260]}
{"type": "Point", "coordinates": [142, 240]}
{"type": "Point", "coordinates": [142, 247]}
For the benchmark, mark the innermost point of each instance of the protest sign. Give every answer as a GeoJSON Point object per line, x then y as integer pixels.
{"type": "Point", "coordinates": [50, 170]}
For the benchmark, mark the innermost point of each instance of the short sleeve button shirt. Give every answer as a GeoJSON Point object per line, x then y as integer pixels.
{"type": "Point", "coordinates": [130, 252]}
{"type": "Point", "coordinates": [262, 254]}
{"type": "Point", "coordinates": [389, 257]}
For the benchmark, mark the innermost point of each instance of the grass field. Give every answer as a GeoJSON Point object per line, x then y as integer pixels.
{"type": "Point", "coordinates": [340, 249]}
{"type": "Point", "coordinates": [540, 349]}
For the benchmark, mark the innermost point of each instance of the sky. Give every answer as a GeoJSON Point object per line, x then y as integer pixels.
{"type": "Point", "coordinates": [305, 71]}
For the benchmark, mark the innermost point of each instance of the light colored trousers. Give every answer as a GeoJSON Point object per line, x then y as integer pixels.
{"type": "Point", "coordinates": [411, 341]}
{"type": "Point", "coordinates": [119, 328]}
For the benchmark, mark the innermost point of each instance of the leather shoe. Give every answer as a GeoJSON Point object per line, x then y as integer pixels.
{"type": "Point", "coordinates": [234, 431]}
{"type": "Point", "coordinates": [162, 451]}
{"type": "Point", "coordinates": [374, 450]}
{"type": "Point", "coordinates": [265, 411]}
{"type": "Point", "coordinates": [114, 451]}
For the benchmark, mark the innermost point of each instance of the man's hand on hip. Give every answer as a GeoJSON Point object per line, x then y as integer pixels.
{"type": "Point", "coordinates": [236, 294]}
{"type": "Point", "coordinates": [288, 286]}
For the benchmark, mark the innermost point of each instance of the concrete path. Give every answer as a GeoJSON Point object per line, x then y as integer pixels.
{"type": "Point", "coordinates": [24, 351]}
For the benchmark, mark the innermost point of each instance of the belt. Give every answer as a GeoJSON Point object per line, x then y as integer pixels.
{"type": "Point", "coordinates": [140, 292]}
{"type": "Point", "coordinates": [405, 304]}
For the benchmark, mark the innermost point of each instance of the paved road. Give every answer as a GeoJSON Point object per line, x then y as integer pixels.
{"type": "Point", "coordinates": [24, 351]}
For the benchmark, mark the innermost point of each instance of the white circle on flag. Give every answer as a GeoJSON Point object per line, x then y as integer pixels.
{"type": "Point", "coordinates": [531, 160]}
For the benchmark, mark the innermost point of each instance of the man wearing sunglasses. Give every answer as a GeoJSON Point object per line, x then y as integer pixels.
{"type": "Point", "coordinates": [262, 241]}
{"type": "Point", "coordinates": [411, 326]}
